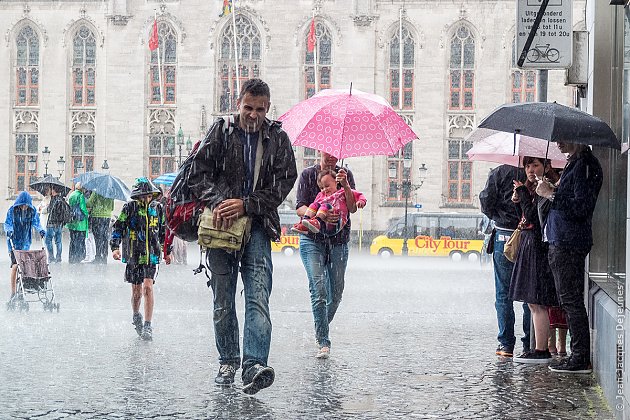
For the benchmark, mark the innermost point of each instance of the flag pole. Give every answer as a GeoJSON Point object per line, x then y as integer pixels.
{"type": "Point", "coordinates": [238, 81]}
{"type": "Point", "coordinates": [159, 63]}
{"type": "Point", "coordinates": [315, 58]}
{"type": "Point", "coordinates": [400, 60]}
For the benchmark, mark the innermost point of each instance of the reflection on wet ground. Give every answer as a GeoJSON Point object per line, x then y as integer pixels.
{"type": "Point", "coordinates": [412, 339]}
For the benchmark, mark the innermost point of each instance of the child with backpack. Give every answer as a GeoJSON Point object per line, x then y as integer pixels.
{"type": "Point", "coordinates": [141, 225]}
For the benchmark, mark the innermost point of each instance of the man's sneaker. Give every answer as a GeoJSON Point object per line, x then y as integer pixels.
{"type": "Point", "coordinates": [571, 365]}
{"type": "Point", "coordinates": [323, 353]}
{"type": "Point", "coordinates": [257, 377]}
{"type": "Point", "coordinates": [312, 225]}
{"type": "Point", "coordinates": [225, 376]}
{"type": "Point", "coordinates": [504, 351]}
{"type": "Point", "coordinates": [534, 357]}
{"type": "Point", "coordinates": [147, 333]}
{"type": "Point", "coordinates": [299, 228]}
{"type": "Point", "coordinates": [137, 322]}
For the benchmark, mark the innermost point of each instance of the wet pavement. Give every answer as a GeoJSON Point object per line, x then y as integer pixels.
{"type": "Point", "coordinates": [412, 339]}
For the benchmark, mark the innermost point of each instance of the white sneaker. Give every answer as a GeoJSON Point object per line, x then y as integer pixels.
{"type": "Point", "coordinates": [323, 353]}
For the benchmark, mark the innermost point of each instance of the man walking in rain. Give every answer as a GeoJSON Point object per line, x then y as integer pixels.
{"type": "Point", "coordinates": [246, 168]}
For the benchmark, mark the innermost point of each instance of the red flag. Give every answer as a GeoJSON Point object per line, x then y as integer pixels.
{"type": "Point", "coordinates": [310, 40]}
{"type": "Point", "coordinates": [153, 40]}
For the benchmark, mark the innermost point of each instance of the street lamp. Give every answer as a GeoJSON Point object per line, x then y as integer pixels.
{"type": "Point", "coordinates": [61, 165]}
{"type": "Point", "coordinates": [105, 166]}
{"type": "Point", "coordinates": [32, 163]}
{"type": "Point", "coordinates": [46, 159]}
{"type": "Point", "coordinates": [180, 143]}
{"type": "Point", "coordinates": [407, 188]}
{"type": "Point", "coordinates": [189, 145]}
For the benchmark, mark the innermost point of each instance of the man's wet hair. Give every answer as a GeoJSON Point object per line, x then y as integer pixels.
{"type": "Point", "coordinates": [255, 87]}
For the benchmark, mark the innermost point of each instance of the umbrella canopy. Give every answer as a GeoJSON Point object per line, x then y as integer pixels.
{"type": "Point", "coordinates": [346, 123]}
{"type": "Point", "coordinates": [42, 185]}
{"type": "Point", "coordinates": [165, 179]}
{"type": "Point", "coordinates": [510, 148]}
{"type": "Point", "coordinates": [553, 122]}
{"type": "Point", "coordinates": [107, 185]}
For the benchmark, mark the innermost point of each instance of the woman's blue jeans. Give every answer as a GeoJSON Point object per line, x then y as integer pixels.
{"type": "Point", "coordinates": [325, 267]}
{"type": "Point", "coordinates": [256, 272]}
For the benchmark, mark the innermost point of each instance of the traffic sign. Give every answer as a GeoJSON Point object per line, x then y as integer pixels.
{"type": "Point", "coordinates": [552, 47]}
{"type": "Point", "coordinates": [418, 206]}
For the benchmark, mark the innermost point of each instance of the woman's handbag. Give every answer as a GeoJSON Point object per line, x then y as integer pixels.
{"type": "Point", "coordinates": [232, 239]}
{"type": "Point", "coordinates": [510, 249]}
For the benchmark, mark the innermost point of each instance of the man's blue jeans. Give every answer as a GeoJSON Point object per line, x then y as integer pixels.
{"type": "Point", "coordinates": [325, 267]}
{"type": "Point", "coordinates": [503, 304]}
{"type": "Point", "coordinates": [256, 272]}
{"type": "Point", "coordinates": [53, 232]}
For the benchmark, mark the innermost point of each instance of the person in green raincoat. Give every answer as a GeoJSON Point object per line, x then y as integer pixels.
{"type": "Point", "coordinates": [79, 226]}
{"type": "Point", "coordinates": [100, 209]}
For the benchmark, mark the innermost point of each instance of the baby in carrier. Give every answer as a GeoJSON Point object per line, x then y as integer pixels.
{"type": "Point", "coordinates": [330, 198]}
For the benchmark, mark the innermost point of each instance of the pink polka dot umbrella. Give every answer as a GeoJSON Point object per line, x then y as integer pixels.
{"type": "Point", "coordinates": [347, 123]}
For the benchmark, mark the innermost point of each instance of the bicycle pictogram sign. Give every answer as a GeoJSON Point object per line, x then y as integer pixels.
{"type": "Point", "coordinates": [541, 53]}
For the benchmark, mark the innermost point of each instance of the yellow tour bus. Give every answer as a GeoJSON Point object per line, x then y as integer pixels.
{"type": "Point", "coordinates": [453, 235]}
{"type": "Point", "coordinates": [289, 242]}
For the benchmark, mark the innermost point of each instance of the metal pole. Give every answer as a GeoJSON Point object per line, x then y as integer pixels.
{"type": "Point", "coordinates": [543, 77]}
{"type": "Point", "coordinates": [405, 248]}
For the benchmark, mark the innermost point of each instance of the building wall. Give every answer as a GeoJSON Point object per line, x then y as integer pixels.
{"type": "Point", "coordinates": [360, 55]}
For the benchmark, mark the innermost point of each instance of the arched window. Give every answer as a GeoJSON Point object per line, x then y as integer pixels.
{"type": "Point", "coordinates": [166, 64]}
{"type": "Point", "coordinates": [161, 142]}
{"type": "Point", "coordinates": [462, 70]}
{"type": "Point", "coordinates": [459, 172]}
{"type": "Point", "coordinates": [249, 58]}
{"type": "Point", "coordinates": [84, 68]}
{"type": "Point", "coordinates": [27, 68]}
{"type": "Point", "coordinates": [523, 87]}
{"type": "Point", "coordinates": [401, 89]}
{"type": "Point", "coordinates": [324, 62]}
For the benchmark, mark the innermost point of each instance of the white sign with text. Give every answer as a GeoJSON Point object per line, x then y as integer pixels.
{"type": "Point", "coordinates": [552, 46]}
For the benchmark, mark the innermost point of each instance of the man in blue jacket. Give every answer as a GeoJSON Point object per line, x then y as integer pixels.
{"type": "Point", "coordinates": [22, 216]}
{"type": "Point", "coordinates": [570, 236]}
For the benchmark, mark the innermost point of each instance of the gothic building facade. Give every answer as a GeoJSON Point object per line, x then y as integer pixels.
{"type": "Point", "coordinates": [80, 81]}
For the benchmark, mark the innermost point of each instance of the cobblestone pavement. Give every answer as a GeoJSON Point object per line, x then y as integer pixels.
{"type": "Point", "coordinates": [412, 339]}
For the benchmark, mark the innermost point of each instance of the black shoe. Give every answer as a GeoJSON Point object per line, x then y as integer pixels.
{"type": "Point", "coordinates": [257, 377]}
{"type": "Point", "coordinates": [533, 357]}
{"type": "Point", "coordinates": [137, 322]}
{"type": "Point", "coordinates": [571, 365]}
{"type": "Point", "coordinates": [225, 376]}
{"type": "Point", "coordinates": [504, 351]}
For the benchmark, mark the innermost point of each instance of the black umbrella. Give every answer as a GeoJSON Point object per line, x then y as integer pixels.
{"type": "Point", "coordinates": [42, 185]}
{"type": "Point", "coordinates": [553, 122]}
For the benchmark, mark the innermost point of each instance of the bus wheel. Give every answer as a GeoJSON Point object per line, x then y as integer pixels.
{"type": "Point", "coordinates": [288, 251]}
{"type": "Point", "coordinates": [472, 256]}
{"type": "Point", "coordinates": [385, 252]}
{"type": "Point", "coordinates": [456, 256]}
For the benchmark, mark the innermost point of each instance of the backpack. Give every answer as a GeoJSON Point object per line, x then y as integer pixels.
{"type": "Point", "coordinates": [183, 209]}
{"type": "Point", "coordinates": [60, 213]}
{"type": "Point", "coordinates": [77, 214]}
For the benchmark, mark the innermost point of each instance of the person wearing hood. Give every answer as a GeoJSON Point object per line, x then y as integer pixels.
{"type": "Point", "coordinates": [142, 226]}
{"type": "Point", "coordinates": [21, 218]}
{"type": "Point", "coordinates": [78, 228]}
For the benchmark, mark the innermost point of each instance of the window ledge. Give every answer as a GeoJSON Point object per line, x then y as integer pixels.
{"type": "Point", "coordinates": [459, 206]}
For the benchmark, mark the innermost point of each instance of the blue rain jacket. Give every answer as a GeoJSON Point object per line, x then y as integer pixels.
{"type": "Point", "coordinates": [19, 222]}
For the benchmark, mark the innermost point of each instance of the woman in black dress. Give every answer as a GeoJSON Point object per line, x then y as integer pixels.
{"type": "Point", "coordinates": [532, 281]}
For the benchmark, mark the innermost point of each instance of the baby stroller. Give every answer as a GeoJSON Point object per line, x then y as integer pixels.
{"type": "Point", "coordinates": [33, 279]}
